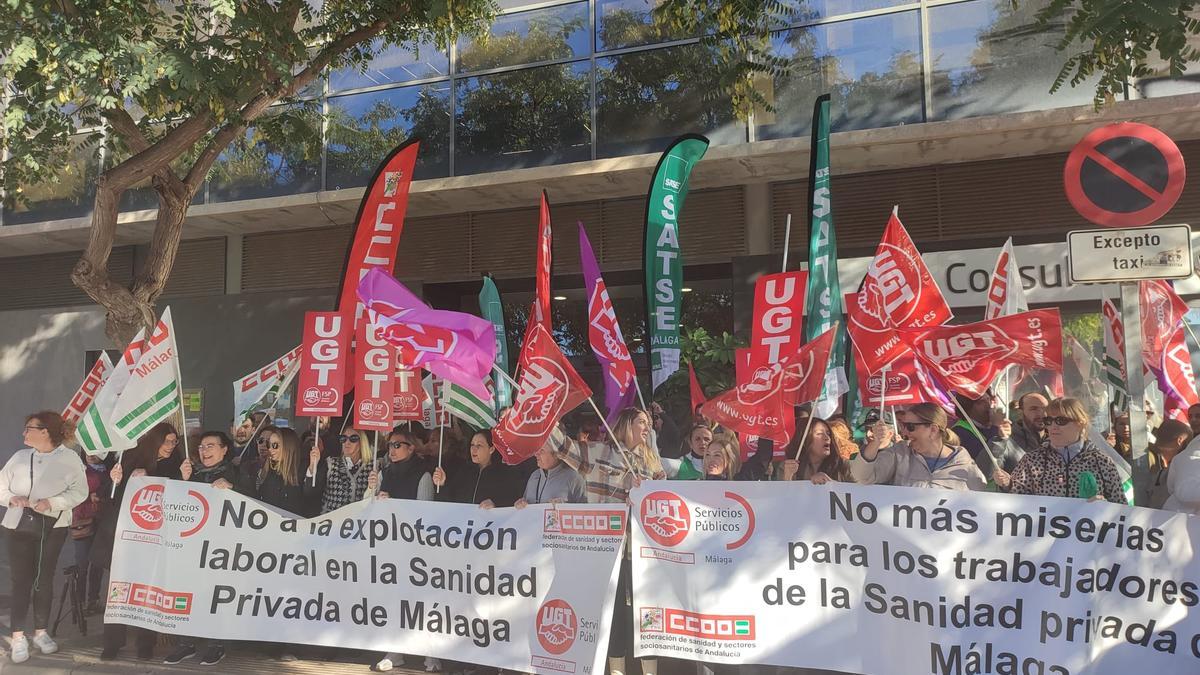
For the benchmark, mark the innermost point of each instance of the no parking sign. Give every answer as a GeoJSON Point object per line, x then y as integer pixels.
{"type": "Point", "coordinates": [1124, 175]}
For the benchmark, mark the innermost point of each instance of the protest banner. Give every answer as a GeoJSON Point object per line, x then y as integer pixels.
{"type": "Point", "coordinates": [882, 579]}
{"type": "Point", "coordinates": [524, 590]}
{"type": "Point", "coordinates": [86, 393]}
{"type": "Point", "coordinates": [251, 390]}
{"type": "Point", "coordinates": [409, 397]}
{"type": "Point", "coordinates": [375, 380]}
{"type": "Point", "coordinates": [323, 359]}
{"type": "Point", "coordinates": [778, 313]}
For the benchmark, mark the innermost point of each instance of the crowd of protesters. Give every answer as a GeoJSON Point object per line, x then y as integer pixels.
{"type": "Point", "coordinates": [1039, 447]}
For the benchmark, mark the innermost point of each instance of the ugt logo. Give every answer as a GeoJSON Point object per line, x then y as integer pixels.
{"type": "Point", "coordinates": [557, 626]}
{"type": "Point", "coordinates": [146, 507]}
{"type": "Point", "coordinates": [960, 353]}
{"type": "Point", "coordinates": [665, 518]}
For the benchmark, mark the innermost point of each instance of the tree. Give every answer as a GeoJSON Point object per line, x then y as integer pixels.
{"type": "Point", "coordinates": [174, 85]}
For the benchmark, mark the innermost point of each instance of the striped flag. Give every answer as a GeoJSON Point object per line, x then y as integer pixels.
{"type": "Point", "coordinates": [470, 408]}
{"type": "Point", "coordinates": [1114, 357]}
{"type": "Point", "coordinates": [94, 431]}
{"type": "Point", "coordinates": [152, 394]}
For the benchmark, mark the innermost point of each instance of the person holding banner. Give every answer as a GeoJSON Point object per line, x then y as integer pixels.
{"type": "Point", "coordinates": [345, 477]}
{"type": "Point", "coordinates": [488, 481]}
{"type": "Point", "coordinates": [281, 479]}
{"type": "Point", "coordinates": [553, 482]}
{"type": "Point", "coordinates": [1068, 465]}
{"type": "Point", "coordinates": [819, 461]}
{"type": "Point", "coordinates": [722, 459]}
{"type": "Point", "coordinates": [930, 456]}
{"type": "Point", "coordinates": [39, 485]}
{"type": "Point", "coordinates": [406, 476]}
{"type": "Point", "coordinates": [1183, 481]}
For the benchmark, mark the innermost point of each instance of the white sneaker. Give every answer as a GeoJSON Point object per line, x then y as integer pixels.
{"type": "Point", "coordinates": [432, 665]}
{"type": "Point", "coordinates": [44, 642]}
{"type": "Point", "coordinates": [383, 665]}
{"type": "Point", "coordinates": [18, 651]}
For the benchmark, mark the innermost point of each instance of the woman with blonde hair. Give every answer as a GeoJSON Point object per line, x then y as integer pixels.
{"type": "Point", "coordinates": [281, 478]}
{"type": "Point", "coordinates": [722, 460]}
{"type": "Point", "coordinates": [929, 456]}
{"type": "Point", "coordinates": [612, 470]}
{"type": "Point", "coordinates": [1055, 469]}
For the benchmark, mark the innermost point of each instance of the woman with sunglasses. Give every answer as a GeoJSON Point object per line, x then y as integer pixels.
{"type": "Point", "coordinates": [486, 481]}
{"type": "Point", "coordinates": [930, 456]}
{"type": "Point", "coordinates": [344, 479]}
{"type": "Point", "coordinates": [819, 461]}
{"type": "Point", "coordinates": [281, 478]}
{"type": "Point", "coordinates": [1055, 469]}
{"type": "Point", "coordinates": [39, 485]}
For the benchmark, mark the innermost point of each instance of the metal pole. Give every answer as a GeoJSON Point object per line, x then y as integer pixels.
{"type": "Point", "coordinates": [1138, 435]}
{"type": "Point", "coordinates": [787, 241]}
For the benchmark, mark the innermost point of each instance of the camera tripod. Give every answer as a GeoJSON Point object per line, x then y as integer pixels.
{"type": "Point", "coordinates": [70, 595]}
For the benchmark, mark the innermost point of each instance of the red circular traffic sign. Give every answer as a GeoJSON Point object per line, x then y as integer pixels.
{"type": "Point", "coordinates": [1124, 175]}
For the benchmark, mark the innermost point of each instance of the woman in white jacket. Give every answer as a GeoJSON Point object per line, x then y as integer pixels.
{"type": "Point", "coordinates": [41, 484]}
{"type": "Point", "coordinates": [1183, 481]}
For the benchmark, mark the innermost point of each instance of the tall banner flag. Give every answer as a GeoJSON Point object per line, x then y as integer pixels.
{"type": "Point", "coordinates": [457, 346]}
{"type": "Point", "coordinates": [541, 305]}
{"type": "Point", "coordinates": [1006, 293]}
{"type": "Point", "coordinates": [662, 259]}
{"type": "Point", "coordinates": [824, 293]}
{"type": "Point", "coordinates": [83, 398]}
{"type": "Point", "coordinates": [967, 357]}
{"type": "Point", "coordinates": [94, 431]}
{"type": "Point", "coordinates": [250, 391]}
{"type": "Point", "coordinates": [153, 392]}
{"type": "Point", "coordinates": [324, 357]}
{"type": "Point", "coordinates": [374, 380]}
{"type": "Point", "coordinates": [548, 388]}
{"type": "Point", "coordinates": [377, 227]}
{"type": "Point", "coordinates": [695, 391]}
{"type": "Point", "coordinates": [898, 293]}
{"type": "Point", "coordinates": [1114, 355]}
{"type": "Point", "coordinates": [492, 309]}
{"type": "Point", "coordinates": [604, 332]}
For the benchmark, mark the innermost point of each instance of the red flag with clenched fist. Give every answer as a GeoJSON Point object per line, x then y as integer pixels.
{"type": "Point", "coordinates": [804, 370]}
{"type": "Point", "coordinates": [898, 293]}
{"type": "Point", "coordinates": [966, 358]}
{"type": "Point", "coordinates": [548, 388]}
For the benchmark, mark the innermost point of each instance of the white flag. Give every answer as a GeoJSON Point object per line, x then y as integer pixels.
{"type": "Point", "coordinates": [87, 391]}
{"type": "Point", "coordinates": [152, 394]}
{"type": "Point", "coordinates": [1006, 294]}
{"type": "Point", "coordinates": [249, 391]}
{"type": "Point", "coordinates": [94, 431]}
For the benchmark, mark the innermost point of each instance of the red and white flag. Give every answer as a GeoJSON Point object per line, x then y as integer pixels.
{"type": "Point", "coordinates": [966, 358]}
{"type": "Point", "coordinates": [374, 380]}
{"type": "Point", "coordinates": [898, 293]}
{"type": "Point", "coordinates": [408, 396]}
{"type": "Point", "coordinates": [541, 305]}
{"type": "Point", "coordinates": [1006, 293]}
{"type": "Point", "coordinates": [548, 388]}
{"type": "Point", "coordinates": [87, 391]}
{"type": "Point", "coordinates": [1164, 346]}
{"type": "Point", "coordinates": [324, 357]}
{"type": "Point", "coordinates": [804, 370]}
{"type": "Point", "coordinates": [903, 385]}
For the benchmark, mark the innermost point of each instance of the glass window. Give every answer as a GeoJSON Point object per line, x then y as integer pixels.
{"type": "Point", "coordinates": [629, 23]}
{"type": "Point", "coordinates": [363, 128]}
{"type": "Point", "coordinates": [548, 34]}
{"type": "Point", "coordinates": [523, 118]}
{"type": "Point", "coordinates": [645, 99]}
{"type": "Point", "coordinates": [280, 154]}
{"type": "Point", "coordinates": [871, 66]}
{"type": "Point", "coordinates": [69, 194]}
{"type": "Point", "coordinates": [989, 58]}
{"type": "Point", "coordinates": [804, 11]}
{"type": "Point", "coordinates": [396, 64]}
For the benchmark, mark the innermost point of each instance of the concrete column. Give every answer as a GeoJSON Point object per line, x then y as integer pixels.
{"type": "Point", "coordinates": [757, 208]}
{"type": "Point", "coordinates": [233, 264]}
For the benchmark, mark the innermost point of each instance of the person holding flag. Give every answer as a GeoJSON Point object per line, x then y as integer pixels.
{"type": "Point", "coordinates": [487, 481]}
{"type": "Point", "coordinates": [818, 461]}
{"type": "Point", "coordinates": [929, 457]}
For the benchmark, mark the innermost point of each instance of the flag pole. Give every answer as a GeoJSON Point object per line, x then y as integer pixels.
{"type": "Point", "coordinates": [787, 240]}
{"type": "Point", "coordinates": [804, 437]}
{"type": "Point", "coordinates": [620, 450]}
{"type": "Point", "coordinates": [975, 430]}
{"type": "Point", "coordinates": [437, 489]}
{"type": "Point", "coordinates": [253, 434]}
{"type": "Point", "coordinates": [505, 375]}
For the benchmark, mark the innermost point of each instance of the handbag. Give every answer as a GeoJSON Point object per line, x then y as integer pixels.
{"type": "Point", "coordinates": [31, 521]}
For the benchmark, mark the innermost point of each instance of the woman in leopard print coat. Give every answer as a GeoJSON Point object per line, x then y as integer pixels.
{"type": "Point", "coordinates": [1053, 470]}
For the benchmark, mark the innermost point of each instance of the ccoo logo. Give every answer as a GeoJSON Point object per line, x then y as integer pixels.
{"type": "Point", "coordinates": [665, 518]}
{"type": "Point", "coordinates": [557, 626]}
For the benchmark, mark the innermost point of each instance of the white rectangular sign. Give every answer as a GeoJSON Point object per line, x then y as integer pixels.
{"type": "Point", "coordinates": [1113, 255]}
{"type": "Point", "coordinates": [529, 590]}
{"type": "Point", "coordinates": [885, 580]}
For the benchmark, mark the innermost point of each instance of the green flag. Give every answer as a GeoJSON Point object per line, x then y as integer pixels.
{"type": "Point", "coordinates": [492, 309]}
{"type": "Point", "coordinates": [662, 261]}
{"type": "Point", "coordinates": [468, 407]}
{"type": "Point", "coordinates": [824, 297]}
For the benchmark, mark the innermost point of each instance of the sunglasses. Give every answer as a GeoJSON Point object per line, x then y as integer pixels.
{"type": "Point", "coordinates": [1059, 421]}
{"type": "Point", "coordinates": [912, 426]}
{"type": "Point", "coordinates": [263, 440]}
{"type": "Point", "coordinates": [396, 445]}
{"type": "Point", "coordinates": [352, 439]}
{"type": "Point", "coordinates": [276, 446]}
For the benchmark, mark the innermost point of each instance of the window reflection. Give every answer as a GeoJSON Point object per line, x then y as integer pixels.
{"type": "Point", "coordinates": [69, 194]}
{"type": "Point", "coordinates": [645, 99]}
{"type": "Point", "coordinates": [991, 58]}
{"type": "Point", "coordinates": [363, 128]}
{"type": "Point", "coordinates": [530, 117]}
{"type": "Point", "coordinates": [803, 11]}
{"type": "Point", "coordinates": [548, 34]}
{"type": "Point", "coordinates": [394, 65]}
{"type": "Point", "coordinates": [280, 154]}
{"type": "Point", "coordinates": [871, 66]}
{"type": "Point", "coordinates": [629, 23]}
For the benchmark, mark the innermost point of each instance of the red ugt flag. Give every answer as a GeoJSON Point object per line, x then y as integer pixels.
{"type": "Point", "coordinates": [1164, 347]}
{"type": "Point", "coordinates": [898, 293]}
{"type": "Point", "coordinates": [548, 388]}
{"type": "Point", "coordinates": [966, 358]}
{"type": "Point", "coordinates": [694, 389]}
{"type": "Point", "coordinates": [804, 371]}
{"type": "Point", "coordinates": [541, 306]}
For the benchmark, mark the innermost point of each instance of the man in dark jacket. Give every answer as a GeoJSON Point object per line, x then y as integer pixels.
{"type": "Point", "coordinates": [1027, 435]}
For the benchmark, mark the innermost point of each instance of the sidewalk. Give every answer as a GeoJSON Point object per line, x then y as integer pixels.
{"type": "Point", "coordinates": [82, 655]}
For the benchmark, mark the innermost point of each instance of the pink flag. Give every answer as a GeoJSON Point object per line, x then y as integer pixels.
{"type": "Point", "coordinates": [456, 346]}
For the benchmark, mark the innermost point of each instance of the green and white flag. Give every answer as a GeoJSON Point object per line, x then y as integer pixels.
{"type": "Point", "coordinates": [152, 394]}
{"type": "Point", "coordinates": [824, 297]}
{"type": "Point", "coordinates": [250, 391]}
{"type": "Point", "coordinates": [94, 432]}
{"type": "Point", "coordinates": [468, 407]}
{"type": "Point", "coordinates": [662, 258]}
{"type": "Point", "coordinates": [1114, 359]}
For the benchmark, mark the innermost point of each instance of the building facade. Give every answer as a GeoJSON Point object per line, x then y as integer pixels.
{"type": "Point", "coordinates": [940, 107]}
